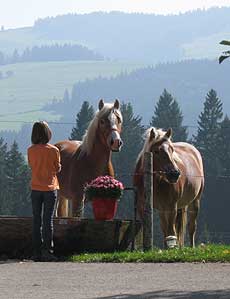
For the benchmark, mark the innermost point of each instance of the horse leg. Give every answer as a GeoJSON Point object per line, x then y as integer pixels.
{"type": "Point", "coordinates": [163, 224]}
{"type": "Point", "coordinates": [181, 225]}
{"type": "Point", "coordinates": [62, 207]}
{"type": "Point", "coordinates": [78, 207]}
{"type": "Point", "coordinates": [193, 210]}
{"type": "Point", "coordinates": [168, 219]}
{"type": "Point", "coordinates": [171, 228]}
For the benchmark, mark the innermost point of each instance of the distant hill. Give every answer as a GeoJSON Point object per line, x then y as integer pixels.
{"type": "Point", "coordinates": [134, 37]}
{"type": "Point", "coordinates": [26, 87]}
{"type": "Point", "coordinates": [188, 81]}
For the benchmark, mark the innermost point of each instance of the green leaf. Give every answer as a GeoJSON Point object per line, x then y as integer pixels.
{"type": "Point", "coordinates": [225, 42]}
{"type": "Point", "coordinates": [223, 57]}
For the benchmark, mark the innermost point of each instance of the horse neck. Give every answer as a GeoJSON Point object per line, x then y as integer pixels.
{"type": "Point", "coordinates": [100, 154]}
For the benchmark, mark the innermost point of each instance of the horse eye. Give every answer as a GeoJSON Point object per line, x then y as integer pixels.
{"type": "Point", "coordinates": [102, 121]}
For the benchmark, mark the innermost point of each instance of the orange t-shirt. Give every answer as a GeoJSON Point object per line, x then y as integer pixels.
{"type": "Point", "coordinates": [44, 160]}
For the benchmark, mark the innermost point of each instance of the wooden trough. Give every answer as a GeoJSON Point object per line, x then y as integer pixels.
{"type": "Point", "coordinates": [71, 235]}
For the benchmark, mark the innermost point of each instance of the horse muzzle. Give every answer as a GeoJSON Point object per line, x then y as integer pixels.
{"type": "Point", "coordinates": [116, 145]}
{"type": "Point", "coordinates": [173, 176]}
{"type": "Point", "coordinates": [115, 141]}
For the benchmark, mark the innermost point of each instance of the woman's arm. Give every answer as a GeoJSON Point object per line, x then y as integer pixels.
{"type": "Point", "coordinates": [57, 162]}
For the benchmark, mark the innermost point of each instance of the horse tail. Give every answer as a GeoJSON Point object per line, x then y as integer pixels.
{"type": "Point", "coordinates": [180, 225]}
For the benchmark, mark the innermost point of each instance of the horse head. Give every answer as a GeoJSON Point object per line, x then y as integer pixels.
{"type": "Point", "coordinates": [109, 125]}
{"type": "Point", "coordinates": [164, 156]}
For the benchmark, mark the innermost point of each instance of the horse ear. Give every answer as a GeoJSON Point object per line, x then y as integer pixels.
{"type": "Point", "coordinates": [116, 104]}
{"type": "Point", "coordinates": [152, 135]}
{"type": "Point", "coordinates": [168, 134]}
{"type": "Point", "coordinates": [101, 104]}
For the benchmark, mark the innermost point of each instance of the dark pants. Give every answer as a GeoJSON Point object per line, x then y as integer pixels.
{"type": "Point", "coordinates": [43, 207]}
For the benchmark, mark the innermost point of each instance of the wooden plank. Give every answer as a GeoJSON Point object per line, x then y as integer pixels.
{"type": "Point", "coordinates": [71, 235]}
{"type": "Point", "coordinates": [148, 202]}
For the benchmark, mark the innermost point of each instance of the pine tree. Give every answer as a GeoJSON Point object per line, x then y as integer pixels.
{"type": "Point", "coordinates": [224, 146]}
{"type": "Point", "coordinates": [15, 57]}
{"type": "Point", "coordinates": [207, 139]}
{"type": "Point", "coordinates": [124, 161]}
{"type": "Point", "coordinates": [167, 114]}
{"type": "Point", "coordinates": [17, 188]}
{"type": "Point", "coordinates": [66, 97]}
{"type": "Point", "coordinates": [2, 58]}
{"type": "Point", "coordinates": [3, 175]}
{"type": "Point", "coordinates": [83, 118]}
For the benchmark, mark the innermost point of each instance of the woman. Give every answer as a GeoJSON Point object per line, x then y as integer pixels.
{"type": "Point", "coordinates": [44, 160]}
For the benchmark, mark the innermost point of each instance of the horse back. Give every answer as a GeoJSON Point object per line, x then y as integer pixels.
{"type": "Point", "coordinates": [190, 157]}
{"type": "Point", "coordinates": [68, 147]}
{"type": "Point", "coordinates": [68, 151]}
{"type": "Point", "coordinates": [192, 173]}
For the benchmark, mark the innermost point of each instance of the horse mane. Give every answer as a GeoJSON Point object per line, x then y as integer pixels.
{"type": "Point", "coordinates": [89, 136]}
{"type": "Point", "coordinates": [159, 135]}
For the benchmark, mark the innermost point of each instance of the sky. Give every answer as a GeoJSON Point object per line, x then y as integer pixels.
{"type": "Point", "coordinates": [21, 13]}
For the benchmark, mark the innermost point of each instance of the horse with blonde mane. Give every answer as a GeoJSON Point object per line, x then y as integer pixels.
{"type": "Point", "coordinates": [84, 160]}
{"type": "Point", "coordinates": [178, 182]}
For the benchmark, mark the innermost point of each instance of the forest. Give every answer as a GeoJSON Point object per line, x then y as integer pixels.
{"type": "Point", "coordinates": [55, 52]}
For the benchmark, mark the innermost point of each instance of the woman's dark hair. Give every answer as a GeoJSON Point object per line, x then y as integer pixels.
{"type": "Point", "coordinates": [41, 133]}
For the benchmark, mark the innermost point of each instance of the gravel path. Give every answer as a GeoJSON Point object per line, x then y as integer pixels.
{"type": "Point", "coordinates": [114, 281]}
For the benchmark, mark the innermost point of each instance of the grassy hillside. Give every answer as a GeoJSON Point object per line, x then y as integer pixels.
{"type": "Point", "coordinates": [32, 85]}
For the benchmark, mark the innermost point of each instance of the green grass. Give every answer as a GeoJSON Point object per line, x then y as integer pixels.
{"type": "Point", "coordinates": [34, 84]}
{"type": "Point", "coordinates": [203, 253]}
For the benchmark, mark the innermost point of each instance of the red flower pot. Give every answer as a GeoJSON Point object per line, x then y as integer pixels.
{"type": "Point", "coordinates": [104, 209]}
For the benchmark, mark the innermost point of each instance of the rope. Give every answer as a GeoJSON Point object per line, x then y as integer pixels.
{"type": "Point", "coordinates": [74, 123]}
{"type": "Point", "coordinates": [165, 172]}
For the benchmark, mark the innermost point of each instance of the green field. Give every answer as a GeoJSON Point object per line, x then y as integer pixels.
{"type": "Point", "coordinates": [34, 84]}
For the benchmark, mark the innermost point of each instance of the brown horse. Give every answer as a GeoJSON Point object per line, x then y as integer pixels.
{"type": "Point", "coordinates": [84, 161]}
{"type": "Point", "coordinates": [178, 183]}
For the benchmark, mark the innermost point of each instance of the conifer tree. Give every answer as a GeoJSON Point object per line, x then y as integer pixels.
{"type": "Point", "coordinates": [124, 161]}
{"type": "Point", "coordinates": [66, 97]}
{"type": "Point", "coordinates": [83, 118]}
{"type": "Point", "coordinates": [207, 139]}
{"type": "Point", "coordinates": [224, 146]}
{"type": "Point", "coordinates": [2, 58]}
{"type": "Point", "coordinates": [3, 175]}
{"type": "Point", "coordinates": [17, 188]}
{"type": "Point", "coordinates": [15, 57]}
{"type": "Point", "coordinates": [167, 114]}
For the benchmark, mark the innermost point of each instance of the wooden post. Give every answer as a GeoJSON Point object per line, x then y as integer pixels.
{"type": "Point", "coordinates": [134, 219]}
{"type": "Point", "coordinates": [148, 202]}
{"type": "Point", "coordinates": [70, 208]}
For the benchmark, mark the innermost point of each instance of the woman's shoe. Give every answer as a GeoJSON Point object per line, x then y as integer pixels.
{"type": "Point", "coordinates": [48, 257]}
{"type": "Point", "coordinates": [36, 258]}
